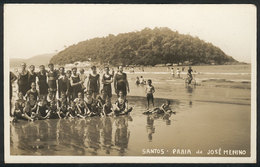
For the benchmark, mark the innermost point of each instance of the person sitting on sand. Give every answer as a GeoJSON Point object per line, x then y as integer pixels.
{"type": "Point", "coordinates": [149, 90]}
{"type": "Point", "coordinates": [101, 99]}
{"type": "Point", "coordinates": [81, 105]}
{"type": "Point", "coordinates": [30, 108]}
{"type": "Point", "coordinates": [42, 109]}
{"type": "Point", "coordinates": [52, 110]}
{"type": "Point", "coordinates": [19, 106]}
{"type": "Point", "coordinates": [63, 106]}
{"type": "Point", "coordinates": [72, 110]}
{"type": "Point", "coordinates": [142, 81]}
{"type": "Point", "coordinates": [92, 104]}
{"type": "Point", "coordinates": [107, 108]}
{"type": "Point", "coordinates": [137, 82]}
{"type": "Point", "coordinates": [50, 96]}
{"type": "Point", "coordinates": [165, 108]}
{"type": "Point", "coordinates": [32, 91]}
{"type": "Point", "coordinates": [122, 105]}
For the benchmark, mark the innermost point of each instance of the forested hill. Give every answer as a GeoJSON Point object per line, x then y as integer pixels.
{"type": "Point", "coordinates": [146, 47]}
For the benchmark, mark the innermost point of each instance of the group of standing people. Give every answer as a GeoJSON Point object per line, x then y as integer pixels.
{"type": "Point", "coordinates": [63, 93]}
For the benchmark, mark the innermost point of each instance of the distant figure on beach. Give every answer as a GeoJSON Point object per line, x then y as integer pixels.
{"type": "Point", "coordinates": [23, 85]}
{"type": "Point", "coordinates": [107, 79]}
{"type": "Point", "coordinates": [52, 79]}
{"type": "Point", "coordinates": [42, 81]}
{"type": "Point", "coordinates": [137, 82]}
{"type": "Point", "coordinates": [178, 72]}
{"type": "Point", "coordinates": [121, 82]}
{"type": "Point", "coordinates": [190, 74]}
{"type": "Point", "coordinates": [149, 90]}
{"type": "Point", "coordinates": [142, 81]}
{"type": "Point", "coordinates": [132, 70]}
{"type": "Point", "coordinates": [93, 82]}
{"type": "Point", "coordinates": [172, 72]}
{"type": "Point", "coordinates": [182, 69]}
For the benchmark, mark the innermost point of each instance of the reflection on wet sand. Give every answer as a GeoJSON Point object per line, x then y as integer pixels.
{"type": "Point", "coordinates": [150, 127]}
{"type": "Point", "coordinates": [78, 136]}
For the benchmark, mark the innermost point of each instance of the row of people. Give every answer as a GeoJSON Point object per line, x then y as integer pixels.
{"type": "Point", "coordinates": [70, 81]}
{"type": "Point", "coordinates": [44, 107]}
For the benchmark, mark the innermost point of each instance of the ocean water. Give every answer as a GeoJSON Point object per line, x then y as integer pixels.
{"type": "Point", "coordinates": [213, 115]}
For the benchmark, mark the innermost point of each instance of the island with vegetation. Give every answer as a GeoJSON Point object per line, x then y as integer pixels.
{"type": "Point", "coordinates": [147, 47]}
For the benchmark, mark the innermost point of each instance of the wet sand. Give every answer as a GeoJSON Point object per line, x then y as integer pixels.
{"type": "Point", "coordinates": [213, 115]}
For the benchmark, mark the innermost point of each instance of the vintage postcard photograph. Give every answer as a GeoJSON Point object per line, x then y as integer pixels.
{"type": "Point", "coordinates": [130, 83]}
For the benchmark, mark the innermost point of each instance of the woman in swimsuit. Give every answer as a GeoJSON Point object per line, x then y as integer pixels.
{"type": "Point", "coordinates": [75, 83]}
{"type": "Point", "coordinates": [93, 82]}
{"type": "Point", "coordinates": [120, 82]}
{"type": "Point", "coordinates": [52, 79]}
{"type": "Point", "coordinates": [107, 79]}
{"type": "Point", "coordinates": [23, 80]}
{"type": "Point", "coordinates": [31, 75]}
{"type": "Point", "coordinates": [42, 81]}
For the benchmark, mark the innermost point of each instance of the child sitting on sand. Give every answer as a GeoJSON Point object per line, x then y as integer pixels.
{"type": "Point", "coordinates": [19, 106]}
{"type": "Point", "coordinates": [107, 108]}
{"type": "Point", "coordinates": [52, 110]}
{"type": "Point", "coordinates": [30, 108]}
{"type": "Point", "coordinates": [122, 105]}
{"type": "Point", "coordinates": [63, 106]}
{"type": "Point", "coordinates": [149, 90]}
{"type": "Point", "coordinates": [72, 110]}
{"type": "Point", "coordinates": [42, 109]}
{"type": "Point", "coordinates": [82, 108]}
{"type": "Point", "coordinates": [92, 105]}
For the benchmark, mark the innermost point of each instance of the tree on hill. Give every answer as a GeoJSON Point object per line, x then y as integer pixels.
{"type": "Point", "coordinates": [145, 47]}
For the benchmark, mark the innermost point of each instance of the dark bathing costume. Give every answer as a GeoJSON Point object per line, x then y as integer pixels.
{"type": "Point", "coordinates": [121, 83]}
{"type": "Point", "coordinates": [62, 85]}
{"type": "Point", "coordinates": [23, 85]}
{"type": "Point", "coordinates": [31, 78]}
{"type": "Point", "coordinates": [107, 87]}
{"type": "Point", "coordinates": [34, 93]}
{"type": "Point", "coordinates": [42, 82]}
{"type": "Point", "coordinates": [52, 77]}
{"type": "Point", "coordinates": [76, 88]}
{"type": "Point", "coordinates": [93, 86]}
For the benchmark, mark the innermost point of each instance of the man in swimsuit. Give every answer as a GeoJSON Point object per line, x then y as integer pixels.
{"type": "Point", "coordinates": [31, 75]}
{"type": "Point", "coordinates": [13, 77]}
{"type": "Point", "coordinates": [42, 81]}
{"type": "Point", "coordinates": [23, 80]}
{"type": "Point", "coordinates": [107, 79]}
{"type": "Point", "coordinates": [62, 84]}
{"type": "Point", "coordinates": [93, 82]}
{"type": "Point", "coordinates": [121, 82]}
{"type": "Point", "coordinates": [75, 83]}
{"type": "Point", "coordinates": [52, 79]}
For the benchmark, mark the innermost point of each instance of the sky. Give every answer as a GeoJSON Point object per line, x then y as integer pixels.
{"type": "Point", "coordinates": [31, 29]}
